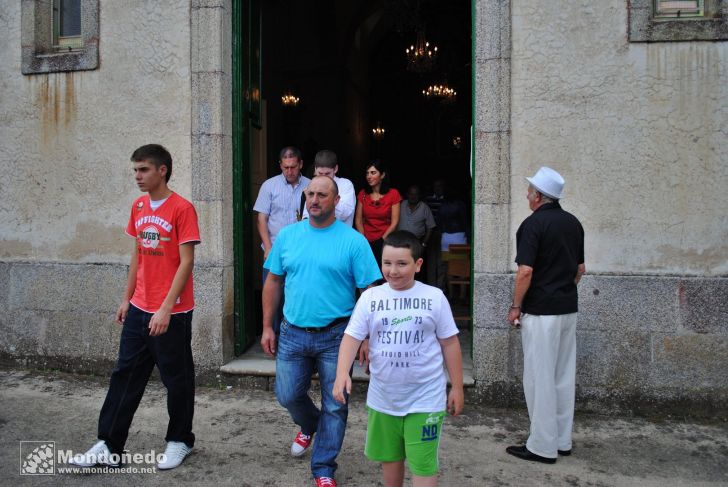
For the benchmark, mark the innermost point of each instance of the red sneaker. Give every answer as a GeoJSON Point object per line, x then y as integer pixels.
{"type": "Point", "coordinates": [300, 444]}
{"type": "Point", "coordinates": [325, 482]}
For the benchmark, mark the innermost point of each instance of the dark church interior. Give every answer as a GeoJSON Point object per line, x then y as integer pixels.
{"type": "Point", "coordinates": [347, 66]}
{"type": "Point", "coordinates": [384, 79]}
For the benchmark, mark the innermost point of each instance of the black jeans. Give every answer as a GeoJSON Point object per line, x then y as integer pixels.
{"type": "Point", "coordinates": [138, 354]}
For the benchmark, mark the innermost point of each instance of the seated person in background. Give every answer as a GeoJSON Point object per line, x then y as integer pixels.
{"type": "Point", "coordinates": [452, 221]}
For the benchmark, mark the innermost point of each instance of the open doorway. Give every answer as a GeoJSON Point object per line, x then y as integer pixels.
{"type": "Point", "coordinates": [347, 66]}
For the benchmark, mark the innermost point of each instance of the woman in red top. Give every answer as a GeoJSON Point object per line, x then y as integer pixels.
{"type": "Point", "coordinates": [377, 208]}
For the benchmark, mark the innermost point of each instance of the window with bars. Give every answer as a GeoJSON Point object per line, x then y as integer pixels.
{"type": "Point", "coordinates": [67, 24]}
{"type": "Point", "coordinates": [677, 20]}
{"type": "Point", "coordinates": [59, 35]}
{"type": "Point", "coordinates": [674, 9]}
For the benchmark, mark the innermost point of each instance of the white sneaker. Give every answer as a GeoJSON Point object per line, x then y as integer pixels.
{"type": "Point", "coordinates": [99, 454]}
{"type": "Point", "coordinates": [174, 454]}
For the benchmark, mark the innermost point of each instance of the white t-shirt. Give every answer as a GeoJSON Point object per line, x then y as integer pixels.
{"type": "Point", "coordinates": [406, 363]}
{"type": "Point", "coordinates": [157, 203]}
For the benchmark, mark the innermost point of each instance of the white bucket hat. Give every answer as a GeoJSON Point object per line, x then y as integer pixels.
{"type": "Point", "coordinates": [548, 182]}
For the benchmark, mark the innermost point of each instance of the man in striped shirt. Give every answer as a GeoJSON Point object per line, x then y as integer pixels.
{"type": "Point", "coordinates": [278, 202]}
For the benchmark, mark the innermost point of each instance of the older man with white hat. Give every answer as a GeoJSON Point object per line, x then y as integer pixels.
{"type": "Point", "coordinates": [550, 258]}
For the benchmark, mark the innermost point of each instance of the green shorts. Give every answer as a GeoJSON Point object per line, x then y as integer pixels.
{"type": "Point", "coordinates": [414, 437]}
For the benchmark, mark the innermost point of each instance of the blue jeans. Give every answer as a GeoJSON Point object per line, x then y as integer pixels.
{"type": "Point", "coordinates": [298, 354]}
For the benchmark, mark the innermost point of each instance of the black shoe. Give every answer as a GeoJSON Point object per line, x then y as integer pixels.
{"type": "Point", "coordinates": [564, 453]}
{"type": "Point", "coordinates": [524, 453]}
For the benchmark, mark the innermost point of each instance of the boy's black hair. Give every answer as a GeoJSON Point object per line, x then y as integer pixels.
{"type": "Point", "coordinates": [402, 239]}
{"type": "Point", "coordinates": [325, 158]}
{"type": "Point", "coordinates": [156, 154]}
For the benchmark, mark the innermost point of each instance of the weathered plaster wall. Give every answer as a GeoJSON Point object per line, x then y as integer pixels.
{"type": "Point", "coordinates": [65, 196]}
{"type": "Point", "coordinates": [639, 131]}
{"type": "Point", "coordinates": [67, 137]}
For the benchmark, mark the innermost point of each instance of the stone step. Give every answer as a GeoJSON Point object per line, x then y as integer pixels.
{"type": "Point", "coordinates": [256, 363]}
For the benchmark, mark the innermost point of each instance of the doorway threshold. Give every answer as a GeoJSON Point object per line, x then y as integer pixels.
{"type": "Point", "coordinates": [255, 363]}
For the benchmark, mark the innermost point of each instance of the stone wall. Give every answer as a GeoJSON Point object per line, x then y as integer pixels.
{"type": "Point", "coordinates": [211, 75]}
{"type": "Point", "coordinates": [638, 131]}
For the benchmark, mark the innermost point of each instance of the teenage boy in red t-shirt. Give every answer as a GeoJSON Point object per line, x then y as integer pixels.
{"type": "Point", "coordinates": [156, 313]}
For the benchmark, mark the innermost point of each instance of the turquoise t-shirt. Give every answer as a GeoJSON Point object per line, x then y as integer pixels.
{"type": "Point", "coordinates": [323, 267]}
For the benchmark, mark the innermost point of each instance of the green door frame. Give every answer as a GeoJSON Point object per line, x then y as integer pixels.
{"type": "Point", "coordinates": [244, 13]}
{"type": "Point", "coordinates": [244, 289]}
{"type": "Point", "coordinates": [473, 91]}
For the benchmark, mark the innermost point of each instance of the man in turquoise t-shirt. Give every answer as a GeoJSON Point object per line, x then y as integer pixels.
{"type": "Point", "coordinates": [323, 261]}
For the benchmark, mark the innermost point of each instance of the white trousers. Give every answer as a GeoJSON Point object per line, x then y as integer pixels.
{"type": "Point", "coordinates": [549, 376]}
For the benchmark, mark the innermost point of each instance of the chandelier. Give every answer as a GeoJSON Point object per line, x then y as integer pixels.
{"type": "Point", "coordinates": [378, 132]}
{"type": "Point", "coordinates": [421, 56]}
{"type": "Point", "coordinates": [290, 100]}
{"type": "Point", "coordinates": [440, 92]}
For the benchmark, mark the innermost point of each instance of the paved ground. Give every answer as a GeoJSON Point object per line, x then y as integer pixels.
{"type": "Point", "coordinates": [243, 440]}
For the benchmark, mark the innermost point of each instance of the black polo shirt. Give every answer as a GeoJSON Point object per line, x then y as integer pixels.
{"type": "Point", "coordinates": [551, 241]}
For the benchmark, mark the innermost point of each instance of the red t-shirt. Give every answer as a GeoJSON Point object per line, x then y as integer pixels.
{"type": "Point", "coordinates": [159, 234]}
{"type": "Point", "coordinates": [377, 215]}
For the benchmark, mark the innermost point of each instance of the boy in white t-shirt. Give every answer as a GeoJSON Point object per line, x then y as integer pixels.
{"type": "Point", "coordinates": [411, 332]}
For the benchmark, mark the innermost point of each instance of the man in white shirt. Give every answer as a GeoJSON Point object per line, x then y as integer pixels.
{"type": "Point", "coordinates": [326, 164]}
